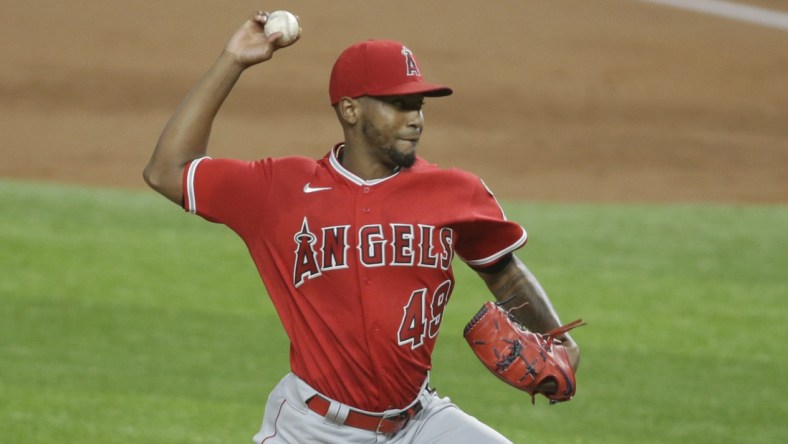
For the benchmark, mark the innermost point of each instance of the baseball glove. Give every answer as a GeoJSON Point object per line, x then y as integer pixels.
{"type": "Point", "coordinates": [521, 358]}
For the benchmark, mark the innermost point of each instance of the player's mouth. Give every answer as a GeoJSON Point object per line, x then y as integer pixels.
{"type": "Point", "coordinates": [412, 139]}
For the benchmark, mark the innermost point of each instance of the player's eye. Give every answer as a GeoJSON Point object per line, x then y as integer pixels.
{"type": "Point", "coordinates": [409, 106]}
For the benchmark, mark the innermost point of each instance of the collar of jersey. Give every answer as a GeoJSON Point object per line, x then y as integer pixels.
{"type": "Point", "coordinates": [334, 160]}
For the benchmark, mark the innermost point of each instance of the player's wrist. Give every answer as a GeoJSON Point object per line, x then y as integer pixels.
{"type": "Point", "coordinates": [232, 60]}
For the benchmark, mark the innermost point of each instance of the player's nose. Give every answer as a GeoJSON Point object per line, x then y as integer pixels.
{"type": "Point", "coordinates": [415, 120]}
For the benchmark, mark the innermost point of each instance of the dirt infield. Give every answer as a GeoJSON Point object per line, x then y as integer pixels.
{"type": "Point", "coordinates": [560, 100]}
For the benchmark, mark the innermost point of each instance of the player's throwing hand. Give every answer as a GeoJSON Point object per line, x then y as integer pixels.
{"type": "Point", "coordinates": [249, 45]}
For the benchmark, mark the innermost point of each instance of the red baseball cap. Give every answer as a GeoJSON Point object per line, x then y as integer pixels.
{"type": "Point", "coordinates": [379, 68]}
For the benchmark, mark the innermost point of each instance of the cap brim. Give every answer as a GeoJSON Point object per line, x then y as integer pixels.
{"type": "Point", "coordinates": [425, 89]}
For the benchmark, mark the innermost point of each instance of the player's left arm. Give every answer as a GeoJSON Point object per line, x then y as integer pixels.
{"type": "Point", "coordinates": [517, 288]}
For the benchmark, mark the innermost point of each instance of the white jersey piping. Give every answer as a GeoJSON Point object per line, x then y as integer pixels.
{"type": "Point", "coordinates": [192, 199]}
{"type": "Point", "coordinates": [489, 259]}
{"type": "Point", "coordinates": [334, 161]}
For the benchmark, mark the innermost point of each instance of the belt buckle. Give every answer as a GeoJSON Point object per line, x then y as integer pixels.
{"type": "Point", "coordinates": [394, 417]}
{"type": "Point", "coordinates": [404, 416]}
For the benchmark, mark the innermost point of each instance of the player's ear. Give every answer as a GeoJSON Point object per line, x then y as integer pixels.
{"type": "Point", "coordinates": [348, 110]}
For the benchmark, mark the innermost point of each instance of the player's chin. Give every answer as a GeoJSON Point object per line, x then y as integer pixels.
{"type": "Point", "coordinates": [407, 146]}
{"type": "Point", "coordinates": [405, 154]}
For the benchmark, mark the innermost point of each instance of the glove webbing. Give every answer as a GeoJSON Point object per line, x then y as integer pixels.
{"type": "Point", "coordinates": [558, 331]}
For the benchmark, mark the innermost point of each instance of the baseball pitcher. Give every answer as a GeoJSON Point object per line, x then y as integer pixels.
{"type": "Point", "coordinates": [355, 249]}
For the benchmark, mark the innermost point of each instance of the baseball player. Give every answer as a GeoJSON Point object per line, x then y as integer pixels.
{"type": "Point", "coordinates": [355, 249]}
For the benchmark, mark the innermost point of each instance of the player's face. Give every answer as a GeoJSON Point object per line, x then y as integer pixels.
{"type": "Point", "coordinates": [392, 127]}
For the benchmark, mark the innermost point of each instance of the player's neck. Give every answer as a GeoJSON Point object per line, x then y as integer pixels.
{"type": "Point", "coordinates": [359, 162]}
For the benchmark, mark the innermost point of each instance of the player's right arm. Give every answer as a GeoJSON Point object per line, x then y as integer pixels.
{"type": "Point", "coordinates": [185, 137]}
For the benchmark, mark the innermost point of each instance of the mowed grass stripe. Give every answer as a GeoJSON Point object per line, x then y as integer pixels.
{"type": "Point", "coordinates": [123, 319]}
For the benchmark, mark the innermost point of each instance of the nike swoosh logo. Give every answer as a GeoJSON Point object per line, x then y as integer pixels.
{"type": "Point", "coordinates": [308, 189]}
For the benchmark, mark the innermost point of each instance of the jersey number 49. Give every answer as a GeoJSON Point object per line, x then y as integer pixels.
{"type": "Point", "coordinates": [422, 318]}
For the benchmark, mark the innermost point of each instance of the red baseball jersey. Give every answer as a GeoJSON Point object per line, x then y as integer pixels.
{"type": "Point", "coordinates": [359, 271]}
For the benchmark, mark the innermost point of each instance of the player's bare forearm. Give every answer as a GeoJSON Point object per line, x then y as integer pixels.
{"type": "Point", "coordinates": [185, 137]}
{"type": "Point", "coordinates": [519, 291]}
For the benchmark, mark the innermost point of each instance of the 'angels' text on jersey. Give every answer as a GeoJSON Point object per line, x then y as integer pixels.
{"type": "Point", "coordinates": [396, 245]}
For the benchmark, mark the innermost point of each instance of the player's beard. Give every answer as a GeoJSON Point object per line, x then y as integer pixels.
{"type": "Point", "coordinates": [387, 147]}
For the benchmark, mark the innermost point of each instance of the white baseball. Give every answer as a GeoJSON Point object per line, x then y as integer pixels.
{"type": "Point", "coordinates": [284, 22]}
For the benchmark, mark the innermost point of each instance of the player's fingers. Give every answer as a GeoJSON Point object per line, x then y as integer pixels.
{"type": "Point", "coordinates": [274, 38]}
{"type": "Point", "coordinates": [260, 17]}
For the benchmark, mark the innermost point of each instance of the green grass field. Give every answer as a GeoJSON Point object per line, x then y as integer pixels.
{"type": "Point", "coordinates": [125, 320]}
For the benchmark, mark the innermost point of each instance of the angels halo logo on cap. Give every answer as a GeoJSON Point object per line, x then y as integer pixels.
{"type": "Point", "coordinates": [379, 68]}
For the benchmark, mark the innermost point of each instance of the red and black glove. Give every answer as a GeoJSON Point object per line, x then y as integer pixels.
{"type": "Point", "coordinates": [526, 360]}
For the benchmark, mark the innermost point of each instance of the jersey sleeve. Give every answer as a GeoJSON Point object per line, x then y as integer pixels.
{"type": "Point", "coordinates": [226, 191]}
{"type": "Point", "coordinates": [485, 236]}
